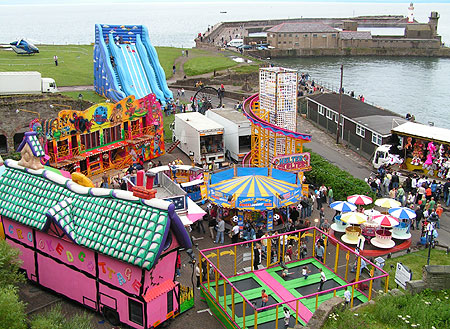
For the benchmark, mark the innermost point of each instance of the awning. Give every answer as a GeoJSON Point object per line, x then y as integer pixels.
{"type": "Point", "coordinates": [104, 149]}
{"type": "Point", "coordinates": [159, 290]}
{"type": "Point", "coordinates": [193, 182]}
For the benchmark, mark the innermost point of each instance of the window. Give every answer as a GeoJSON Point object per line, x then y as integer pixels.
{"type": "Point", "coordinates": [111, 134]}
{"type": "Point", "coordinates": [18, 139]}
{"type": "Point", "coordinates": [3, 144]}
{"type": "Point", "coordinates": [336, 118]}
{"type": "Point", "coordinates": [360, 131]}
{"type": "Point", "coordinates": [91, 140]}
{"type": "Point", "coordinates": [377, 139]}
{"type": "Point", "coordinates": [324, 35]}
{"type": "Point", "coordinates": [135, 311]}
{"type": "Point", "coordinates": [314, 35]}
{"type": "Point", "coordinates": [290, 35]}
{"type": "Point", "coordinates": [305, 35]}
{"type": "Point", "coordinates": [296, 35]}
{"type": "Point", "coordinates": [333, 35]}
{"type": "Point", "coordinates": [330, 114]}
{"type": "Point", "coordinates": [321, 109]}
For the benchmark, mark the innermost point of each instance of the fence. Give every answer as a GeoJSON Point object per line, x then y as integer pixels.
{"type": "Point", "coordinates": [220, 277]}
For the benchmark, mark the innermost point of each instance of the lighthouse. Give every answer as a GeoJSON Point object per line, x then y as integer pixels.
{"type": "Point", "coordinates": [411, 13]}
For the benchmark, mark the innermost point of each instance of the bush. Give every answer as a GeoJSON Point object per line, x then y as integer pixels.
{"type": "Point", "coordinates": [12, 310]}
{"type": "Point", "coordinates": [55, 319]}
{"type": "Point", "coordinates": [342, 182]}
{"type": "Point", "coordinates": [9, 265]}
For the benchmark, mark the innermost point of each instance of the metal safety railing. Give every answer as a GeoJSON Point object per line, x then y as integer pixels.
{"type": "Point", "coordinates": [216, 276]}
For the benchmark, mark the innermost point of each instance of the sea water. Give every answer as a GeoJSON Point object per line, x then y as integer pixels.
{"type": "Point", "coordinates": [419, 86]}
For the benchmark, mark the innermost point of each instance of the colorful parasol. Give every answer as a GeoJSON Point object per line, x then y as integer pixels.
{"type": "Point", "coordinates": [402, 213]}
{"type": "Point", "coordinates": [354, 218]}
{"type": "Point", "coordinates": [371, 212]}
{"type": "Point", "coordinates": [385, 220]}
{"type": "Point", "coordinates": [254, 192]}
{"type": "Point", "coordinates": [359, 199]}
{"type": "Point", "coordinates": [387, 203]}
{"type": "Point", "coordinates": [343, 206]}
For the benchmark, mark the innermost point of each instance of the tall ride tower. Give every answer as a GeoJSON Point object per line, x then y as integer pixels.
{"type": "Point", "coordinates": [411, 13]}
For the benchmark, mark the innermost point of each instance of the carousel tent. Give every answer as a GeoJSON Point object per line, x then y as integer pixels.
{"type": "Point", "coordinates": [253, 189]}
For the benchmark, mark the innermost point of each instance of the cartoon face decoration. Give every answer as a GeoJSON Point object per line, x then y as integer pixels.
{"type": "Point", "coordinates": [100, 115]}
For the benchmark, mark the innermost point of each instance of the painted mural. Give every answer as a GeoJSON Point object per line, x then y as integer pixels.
{"type": "Point", "coordinates": [104, 136]}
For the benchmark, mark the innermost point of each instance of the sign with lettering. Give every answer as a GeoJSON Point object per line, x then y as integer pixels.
{"type": "Point", "coordinates": [255, 203]}
{"type": "Point", "coordinates": [402, 275]}
{"type": "Point", "coordinates": [293, 162]}
{"type": "Point", "coordinates": [269, 220]}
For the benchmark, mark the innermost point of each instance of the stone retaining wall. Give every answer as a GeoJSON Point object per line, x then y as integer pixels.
{"type": "Point", "coordinates": [434, 277]}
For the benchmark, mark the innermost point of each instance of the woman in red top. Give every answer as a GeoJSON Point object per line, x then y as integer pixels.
{"type": "Point", "coordinates": [428, 193]}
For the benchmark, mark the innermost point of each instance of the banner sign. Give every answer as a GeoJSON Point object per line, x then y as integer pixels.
{"type": "Point", "coordinates": [402, 275]}
{"type": "Point", "coordinates": [240, 215]}
{"type": "Point", "coordinates": [290, 197]}
{"type": "Point", "coordinates": [270, 220]}
{"type": "Point", "coordinates": [220, 198]}
{"type": "Point", "coordinates": [293, 162]}
{"type": "Point", "coordinates": [255, 203]}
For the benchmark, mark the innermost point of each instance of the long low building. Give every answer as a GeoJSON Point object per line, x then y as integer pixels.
{"type": "Point", "coordinates": [364, 127]}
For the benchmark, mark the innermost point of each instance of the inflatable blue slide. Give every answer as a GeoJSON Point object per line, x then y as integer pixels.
{"type": "Point", "coordinates": [126, 63]}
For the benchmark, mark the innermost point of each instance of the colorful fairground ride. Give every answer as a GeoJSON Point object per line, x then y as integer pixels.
{"type": "Point", "coordinates": [113, 251]}
{"type": "Point", "coordinates": [277, 283]}
{"type": "Point", "coordinates": [273, 180]}
{"type": "Point", "coordinates": [103, 137]}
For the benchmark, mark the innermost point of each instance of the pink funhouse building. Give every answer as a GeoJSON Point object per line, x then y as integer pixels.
{"type": "Point", "coordinates": [106, 249]}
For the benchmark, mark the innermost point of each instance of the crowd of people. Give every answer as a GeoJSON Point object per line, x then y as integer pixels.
{"type": "Point", "coordinates": [420, 193]}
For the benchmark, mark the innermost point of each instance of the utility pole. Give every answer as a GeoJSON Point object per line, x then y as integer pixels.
{"type": "Point", "coordinates": [340, 106]}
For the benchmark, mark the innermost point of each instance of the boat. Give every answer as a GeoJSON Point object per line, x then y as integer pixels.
{"type": "Point", "coordinates": [223, 12]}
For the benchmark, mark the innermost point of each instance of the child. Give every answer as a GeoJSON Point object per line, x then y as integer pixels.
{"type": "Point", "coordinates": [347, 296]}
{"type": "Point", "coordinates": [264, 298]}
{"type": "Point", "coordinates": [287, 316]}
{"type": "Point", "coordinates": [285, 273]}
{"type": "Point", "coordinates": [305, 272]}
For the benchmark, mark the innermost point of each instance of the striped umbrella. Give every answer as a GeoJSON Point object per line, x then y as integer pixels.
{"type": "Point", "coordinates": [343, 206]}
{"type": "Point", "coordinates": [385, 220]}
{"type": "Point", "coordinates": [402, 213]}
{"type": "Point", "coordinates": [354, 218]}
{"type": "Point", "coordinates": [387, 203]}
{"type": "Point", "coordinates": [359, 199]}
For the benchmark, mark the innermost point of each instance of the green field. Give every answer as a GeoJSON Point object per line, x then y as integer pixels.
{"type": "Point", "coordinates": [88, 95]}
{"type": "Point", "coordinates": [416, 261]}
{"type": "Point", "coordinates": [75, 66]}
{"type": "Point", "coordinates": [206, 64]}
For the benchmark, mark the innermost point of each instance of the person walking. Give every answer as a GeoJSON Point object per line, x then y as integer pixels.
{"type": "Point", "coordinates": [212, 225]}
{"type": "Point", "coordinates": [174, 69]}
{"type": "Point", "coordinates": [323, 278]}
{"type": "Point", "coordinates": [330, 196]}
{"type": "Point", "coordinates": [256, 256]}
{"type": "Point", "coordinates": [419, 217]}
{"type": "Point", "coordinates": [320, 250]}
{"type": "Point", "coordinates": [220, 231]}
{"type": "Point", "coordinates": [55, 58]}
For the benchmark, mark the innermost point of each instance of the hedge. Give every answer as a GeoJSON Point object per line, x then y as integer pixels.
{"type": "Point", "coordinates": [342, 182]}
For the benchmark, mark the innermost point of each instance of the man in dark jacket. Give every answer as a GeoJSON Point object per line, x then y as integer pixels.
{"type": "Point", "coordinates": [419, 217]}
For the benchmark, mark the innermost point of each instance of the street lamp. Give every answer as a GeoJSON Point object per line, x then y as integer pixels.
{"type": "Point", "coordinates": [29, 111]}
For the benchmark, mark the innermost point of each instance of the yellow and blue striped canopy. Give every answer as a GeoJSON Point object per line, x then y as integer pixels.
{"type": "Point", "coordinates": [254, 192]}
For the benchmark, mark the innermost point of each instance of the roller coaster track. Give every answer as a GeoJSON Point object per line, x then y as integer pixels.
{"type": "Point", "coordinates": [263, 131]}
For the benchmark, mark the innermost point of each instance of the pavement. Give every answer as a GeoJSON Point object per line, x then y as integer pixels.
{"type": "Point", "coordinates": [39, 299]}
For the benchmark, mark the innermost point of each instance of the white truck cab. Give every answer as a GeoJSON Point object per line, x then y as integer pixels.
{"type": "Point", "coordinates": [48, 85]}
{"type": "Point", "coordinates": [381, 156]}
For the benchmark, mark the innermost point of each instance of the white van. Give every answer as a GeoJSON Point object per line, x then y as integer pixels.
{"type": "Point", "coordinates": [235, 43]}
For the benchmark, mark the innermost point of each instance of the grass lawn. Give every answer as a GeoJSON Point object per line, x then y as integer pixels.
{"type": "Point", "coordinates": [416, 261]}
{"type": "Point", "coordinates": [74, 68]}
{"type": "Point", "coordinates": [425, 310]}
{"type": "Point", "coordinates": [88, 95]}
{"type": "Point", "coordinates": [246, 68]}
{"type": "Point", "coordinates": [167, 56]}
{"type": "Point", "coordinates": [167, 132]}
{"type": "Point", "coordinates": [206, 64]}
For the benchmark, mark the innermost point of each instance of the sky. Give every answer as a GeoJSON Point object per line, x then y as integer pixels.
{"type": "Point", "coordinates": [59, 2]}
